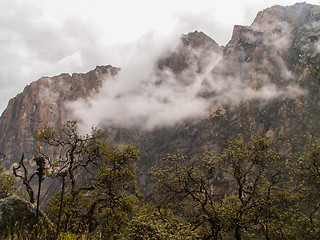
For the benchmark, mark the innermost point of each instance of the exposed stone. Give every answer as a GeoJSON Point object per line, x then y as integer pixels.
{"type": "Point", "coordinates": [42, 103]}
{"type": "Point", "coordinates": [15, 211]}
{"type": "Point", "coordinates": [270, 134]}
{"type": "Point", "coordinates": [194, 49]}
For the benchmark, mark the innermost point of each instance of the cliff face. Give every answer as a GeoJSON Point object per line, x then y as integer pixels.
{"type": "Point", "coordinates": [279, 49]}
{"type": "Point", "coordinates": [266, 70]}
{"type": "Point", "coordinates": [264, 84]}
{"type": "Point", "coordinates": [42, 103]}
{"type": "Point", "coordinates": [195, 49]}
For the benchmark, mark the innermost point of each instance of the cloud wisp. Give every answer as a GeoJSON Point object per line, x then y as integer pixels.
{"type": "Point", "coordinates": [46, 38]}
{"type": "Point", "coordinates": [142, 96]}
{"type": "Point", "coordinates": [145, 97]}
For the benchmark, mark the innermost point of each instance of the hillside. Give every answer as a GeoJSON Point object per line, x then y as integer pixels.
{"type": "Point", "coordinates": [262, 82]}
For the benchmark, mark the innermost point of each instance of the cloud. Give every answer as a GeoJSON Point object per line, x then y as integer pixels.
{"type": "Point", "coordinates": [33, 46]}
{"type": "Point", "coordinates": [46, 38]}
{"type": "Point", "coordinates": [142, 96]}
{"type": "Point", "coordinates": [135, 98]}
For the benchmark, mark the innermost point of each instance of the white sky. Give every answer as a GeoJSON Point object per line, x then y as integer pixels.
{"type": "Point", "coordinates": [47, 37]}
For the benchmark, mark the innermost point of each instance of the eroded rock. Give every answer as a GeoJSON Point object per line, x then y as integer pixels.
{"type": "Point", "coordinates": [15, 211]}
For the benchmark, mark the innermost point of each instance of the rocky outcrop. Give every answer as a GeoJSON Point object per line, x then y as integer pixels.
{"type": "Point", "coordinates": [43, 103]}
{"type": "Point", "coordinates": [194, 50]}
{"type": "Point", "coordinates": [15, 211]}
{"type": "Point", "coordinates": [272, 62]}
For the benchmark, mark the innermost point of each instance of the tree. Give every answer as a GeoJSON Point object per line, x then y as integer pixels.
{"type": "Point", "coordinates": [7, 183]}
{"type": "Point", "coordinates": [106, 200]}
{"type": "Point", "coordinates": [106, 206]}
{"type": "Point", "coordinates": [247, 164]}
{"type": "Point", "coordinates": [242, 192]}
{"type": "Point", "coordinates": [22, 172]}
{"type": "Point", "coordinates": [114, 190]}
{"type": "Point", "coordinates": [189, 187]}
{"type": "Point", "coordinates": [72, 153]}
{"type": "Point", "coordinates": [75, 151]}
{"type": "Point", "coordinates": [149, 223]}
{"type": "Point", "coordinates": [309, 165]}
{"type": "Point", "coordinates": [73, 214]}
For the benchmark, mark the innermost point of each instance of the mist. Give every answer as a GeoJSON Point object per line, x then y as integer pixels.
{"type": "Point", "coordinates": [143, 96]}
{"type": "Point", "coordinates": [47, 38]}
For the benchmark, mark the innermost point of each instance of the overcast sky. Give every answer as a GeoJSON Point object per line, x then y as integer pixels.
{"type": "Point", "coordinates": [47, 37]}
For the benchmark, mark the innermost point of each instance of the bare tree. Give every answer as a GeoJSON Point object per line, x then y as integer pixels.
{"type": "Point", "coordinates": [21, 172]}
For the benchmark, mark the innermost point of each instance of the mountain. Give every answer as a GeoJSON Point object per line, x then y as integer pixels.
{"type": "Point", "coordinates": [262, 82]}
{"type": "Point", "coordinates": [42, 103]}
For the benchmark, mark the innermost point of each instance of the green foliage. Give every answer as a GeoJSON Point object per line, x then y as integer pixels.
{"type": "Point", "coordinates": [309, 168]}
{"type": "Point", "coordinates": [159, 224]}
{"type": "Point", "coordinates": [68, 236]}
{"type": "Point", "coordinates": [114, 190]}
{"type": "Point", "coordinates": [250, 165]}
{"type": "Point", "coordinates": [310, 162]}
{"type": "Point", "coordinates": [105, 204]}
{"type": "Point", "coordinates": [23, 231]}
{"type": "Point", "coordinates": [188, 187]}
{"type": "Point", "coordinates": [245, 192]}
{"type": "Point", "coordinates": [74, 211]}
{"type": "Point", "coordinates": [246, 161]}
{"type": "Point", "coordinates": [248, 191]}
{"type": "Point", "coordinates": [7, 184]}
{"type": "Point", "coordinates": [42, 230]}
{"type": "Point", "coordinates": [117, 172]}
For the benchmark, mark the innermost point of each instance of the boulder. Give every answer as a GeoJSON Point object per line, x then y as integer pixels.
{"type": "Point", "coordinates": [16, 212]}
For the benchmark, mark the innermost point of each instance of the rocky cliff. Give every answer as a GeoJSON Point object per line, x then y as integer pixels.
{"type": "Point", "coordinates": [43, 103]}
{"type": "Point", "coordinates": [262, 83]}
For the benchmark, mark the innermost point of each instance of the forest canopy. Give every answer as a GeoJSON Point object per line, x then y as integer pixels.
{"type": "Point", "coordinates": [246, 191]}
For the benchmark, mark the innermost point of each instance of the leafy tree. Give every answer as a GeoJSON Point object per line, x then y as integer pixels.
{"type": "Point", "coordinates": [74, 211]}
{"type": "Point", "coordinates": [309, 165]}
{"type": "Point", "coordinates": [73, 154]}
{"type": "Point", "coordinates": [245, 192]}
{"type": "Point", "coordinates": [247, 164]}
{"type": "Point", "coordinates": [7, 184]}
{"type": "Point", "coordinates": [150, 223]}
{"type": "Point", "coordinates": [189, 189]}
{"type": "Point", "coordinates": [114, 190]}
{"type": "Point", "coordinates": [108, 197]}
{"type": "Point", "coordinates": [7, 187]}
{"type": "Point", "coordinates": [106, 206]}
{"type": "Point", "coordinates": [75, 151]}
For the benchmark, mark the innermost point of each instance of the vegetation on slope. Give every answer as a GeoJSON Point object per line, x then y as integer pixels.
{"type": "Point", "coordinates": [248, 191]}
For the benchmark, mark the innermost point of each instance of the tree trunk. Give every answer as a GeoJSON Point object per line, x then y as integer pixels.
{"type": "Point", "coordinates": [61, 205]}
{"type": "Point", "coordinates": [38, 202]}
{"type": "Point", "coordinates": [237, 232]}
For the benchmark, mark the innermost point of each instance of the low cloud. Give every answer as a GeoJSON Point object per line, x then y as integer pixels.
{"type": "Point", "coordinates": [142, 96]}
{"type": "Point", "coordinates": [46, 39]}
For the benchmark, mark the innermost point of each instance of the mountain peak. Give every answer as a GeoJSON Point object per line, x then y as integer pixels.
{"type": "Point", "coordinates": [198, 39]}
{"type": "Point", "coordinates": [297, 15]}
{"type": "Point", "coordinates": [281, 23]}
